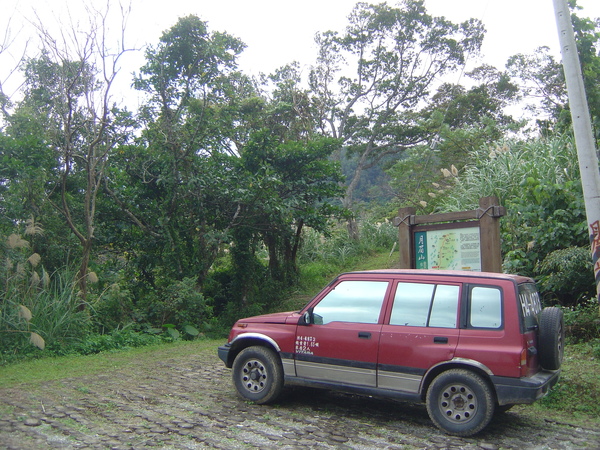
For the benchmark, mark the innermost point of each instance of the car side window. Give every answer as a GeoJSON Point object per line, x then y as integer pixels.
{"type": "Point", "coordinates": [485, 307]}
{"type": "Point", "coordinates": [445, 306]}
{"type": "Point", "coordinates": [351, 301]}
{"type": "Point", "coordinates": [425, 305]}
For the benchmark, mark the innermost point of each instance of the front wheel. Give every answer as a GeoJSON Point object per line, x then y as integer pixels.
{"type": "Point", "coordinates": [258, 375]}
{"type": "Point", "coordinates": [460, 402]}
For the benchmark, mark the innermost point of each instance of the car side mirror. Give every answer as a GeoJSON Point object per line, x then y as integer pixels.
{"type": "Point", "coordinates": [307, 318]}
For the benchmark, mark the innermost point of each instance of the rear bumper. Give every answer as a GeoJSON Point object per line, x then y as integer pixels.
{"type": "Point", "coordinates": [524, 390]}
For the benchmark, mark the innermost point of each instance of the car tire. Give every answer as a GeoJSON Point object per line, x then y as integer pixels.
{"type": "Point", "coordinates": [551, 338]}
{"type": "Point", "coordinates": [460, 402]}
{"type": "Point", "coordinates": [258, 374]}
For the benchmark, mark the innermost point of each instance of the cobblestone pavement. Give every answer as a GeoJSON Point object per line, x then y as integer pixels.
{"type": "Point", "coordinates": [190, 403]}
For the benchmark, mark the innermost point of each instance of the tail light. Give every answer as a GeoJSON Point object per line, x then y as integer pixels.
{"type": "Point", "coordinates": [526, 355]}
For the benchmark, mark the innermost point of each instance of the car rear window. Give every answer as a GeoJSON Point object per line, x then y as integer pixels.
{"type": "Point", "coordinates": [531, 305]}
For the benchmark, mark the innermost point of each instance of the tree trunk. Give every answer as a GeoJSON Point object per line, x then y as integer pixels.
{"type": "Point", "coordinates": [82, 273]}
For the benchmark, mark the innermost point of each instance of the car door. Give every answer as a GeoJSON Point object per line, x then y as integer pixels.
{"type": "Point", "coordinates": [340, 344]}
{"type": "Point", "coordinates": [422, 330]}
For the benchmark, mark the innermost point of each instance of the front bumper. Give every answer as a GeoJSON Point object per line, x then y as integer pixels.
{"type": "Point", "coordinates": [510, 391]}
{"type": "Point", "coordinates": [223, 352]}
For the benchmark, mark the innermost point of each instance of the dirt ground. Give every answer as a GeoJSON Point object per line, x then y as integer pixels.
{"type": "Point", "coordinates": [188, 402]}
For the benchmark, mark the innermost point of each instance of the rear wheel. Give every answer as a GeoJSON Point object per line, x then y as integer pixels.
{"type": "Point", "coordinates": [257, 374]}
{"type": "Point", "coordinates": [551, 338]}
{"type": "Point", "coordinates": [460, 402]}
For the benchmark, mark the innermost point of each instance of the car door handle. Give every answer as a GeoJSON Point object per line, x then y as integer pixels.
{"type": "Point", "coordinates": [440, 340]}
{"type": "Point", "coordinates": [364, 335]}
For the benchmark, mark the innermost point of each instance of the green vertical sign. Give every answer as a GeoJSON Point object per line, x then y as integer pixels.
{"type": "Point", "coordinates": [421, 250]}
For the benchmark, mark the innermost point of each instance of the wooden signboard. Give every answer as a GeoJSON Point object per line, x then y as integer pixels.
{"type": "Point", "coordinates": [466, 240]}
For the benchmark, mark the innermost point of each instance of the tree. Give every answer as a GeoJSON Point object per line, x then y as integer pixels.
{"type": "Point", "coordinates": [541, 81]}
{"type": "Point", "coordinates": [295, 182]}
{"type": "Point", "coordinates": [541, 78]}
{"type": "Point", "coordinates": [492, 92]}
{"type": "Point", "coordinates": [397, 55]}
{"type": "Point", "coordinates": [463, 119]}
{"type": "Point", "coordinates": [290, 113]}
{"type": "Point", "coordinates": [175, 184]}
{"type": "Point", "coordinates": [8, 42]}
{"type": "Point", "coordinates": [68, 94]}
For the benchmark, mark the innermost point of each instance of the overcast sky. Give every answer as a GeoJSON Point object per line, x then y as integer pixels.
{"type": "Point", "coordinates": [280, 31]}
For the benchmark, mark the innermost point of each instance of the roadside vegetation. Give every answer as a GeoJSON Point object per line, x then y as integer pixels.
{"type": "Point", "coordinates": [225, 195]}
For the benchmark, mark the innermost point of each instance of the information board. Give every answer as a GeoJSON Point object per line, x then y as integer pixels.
{"type": "Point", "coordinates": [452, 249]}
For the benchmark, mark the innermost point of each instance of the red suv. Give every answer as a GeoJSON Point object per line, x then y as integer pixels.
{"type": "Point", "coordinates": [465, 343]}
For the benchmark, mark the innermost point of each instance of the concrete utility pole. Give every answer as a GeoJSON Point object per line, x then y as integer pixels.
{"type": "Point", "coordinates": [584, 140]}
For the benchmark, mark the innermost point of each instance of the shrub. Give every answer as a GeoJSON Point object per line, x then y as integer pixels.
{"type": "Point", "coordinates": [378, 235]}
{"type": "Point", "coordinates": [180, 303]}
{"type": "Point", "coordinates": [113, 309]}
{"type": "Point", "coordinates": [582, 323]}
{"type": "Point", "coordinates": [56, 313]}
{"type": "Point", "coordinates": [501, 170]}
{"type": "Point", "coordinates": [115, 340]}
{"type": "Point", "coordinates": [566, 276]}
{"type": "Point", "coordinates": [35, 307]}
{"type": "Point", "coordinates": [339, 250]}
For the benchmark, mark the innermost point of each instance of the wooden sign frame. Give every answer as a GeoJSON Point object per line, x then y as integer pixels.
{"type": "Point", "coordinates": [487, 217]}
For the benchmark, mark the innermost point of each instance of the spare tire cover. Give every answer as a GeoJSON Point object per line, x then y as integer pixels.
{"type": "Point", "coordinates": [551, 338]}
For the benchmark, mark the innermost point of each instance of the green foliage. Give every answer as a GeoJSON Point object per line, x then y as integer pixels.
{"type": "Point", "coordinates": [243, 288]}
{"type": "Point", "coordinates": [316, 274]}
{"type": "Point", "coordinates": [480, 110]}
{"type": "Point", "coordinates": [577, 391]}
{"type": "Point", "coordinates": [113, 309]}
{"type": "Point", "coordinates": [566, 276]}
{"type": "Point", "coordinates": [510, 169]}
{"type": "Point", "coordinates": [292, 183]}
{"type": "Point", "coordinates": [394, 55]}
{"type": "Point", "coordinates": [115, 340]}
{"type": "Point", "coordinates": [35, 307]}
{"type": "Point", "coordinates": [538, 182]}
{"type": "Point", "coordinates": [545, 218]}
{"type": "Point", "coordinates": [542, 78]}
{"type": "Point", "coordinates": [583, 324]}
{"type": "Point", "coordinates": [587, 39]}
{"type": "Point", "coordinates": [180, 303]}
{"type": "Point", "coordinates": [377, 235]}
{"type": "Point", "coordinates": [57, 313]}
{"type": "Point", "coordinates": [338, 252]}
{"type": "Point", "coordinates": [20, 285]}
{"type": "Point", "coordinates": [418, 180]}
{"type": "Point", "coordinates": [174, 196]}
